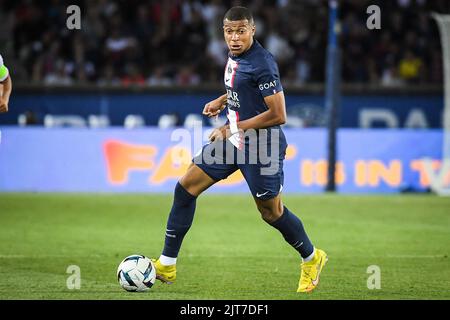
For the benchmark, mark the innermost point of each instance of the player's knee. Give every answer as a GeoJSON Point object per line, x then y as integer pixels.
{"type": "Point", "coordinates": [195, 181]}
{"type": "Point", "coordinates": [269, 213]}
{"type": "Point", "coordinates": [271, 210]}
{"type": "Point", "coordinates": [186, 185]}
{"type": "Point", "coordinates": [190, 184]}
{"type": "Point", "coordinates": [182, 196]}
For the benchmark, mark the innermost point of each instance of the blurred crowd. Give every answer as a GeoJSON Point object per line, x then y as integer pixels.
{"type": "Point", "coordinates": [175, 42]}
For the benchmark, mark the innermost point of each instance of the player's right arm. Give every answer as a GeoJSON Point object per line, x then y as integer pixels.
{"type": "Point", "coordinates": [214, 107]}
{"type": "Point", "coordinates": [5, 87]}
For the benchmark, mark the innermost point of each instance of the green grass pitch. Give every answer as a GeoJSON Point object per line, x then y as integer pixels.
{"type": "Point", "coordinates": [230, 252]}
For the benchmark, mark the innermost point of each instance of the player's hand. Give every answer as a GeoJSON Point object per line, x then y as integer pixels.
{"type": "Point", "coordinates": [220, 133]}
{"type": "Point", "coordinates": [213, 108]}
{"type": "Point", "coordinates": [3, 105]}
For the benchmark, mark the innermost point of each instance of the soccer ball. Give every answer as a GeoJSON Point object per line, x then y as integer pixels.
{"type": "Point", "coordinates": [136, 273]}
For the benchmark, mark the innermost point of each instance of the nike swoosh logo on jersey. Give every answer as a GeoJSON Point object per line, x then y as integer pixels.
{"type": "Point", "coordinates": [260, 195]}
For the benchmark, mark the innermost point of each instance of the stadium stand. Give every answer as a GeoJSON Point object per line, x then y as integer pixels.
{"type": "Point", "coordinates": [137, 43]}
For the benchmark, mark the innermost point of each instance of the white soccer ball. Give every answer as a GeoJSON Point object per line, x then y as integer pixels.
{"type": "Point", "coordinates": [136, 273]}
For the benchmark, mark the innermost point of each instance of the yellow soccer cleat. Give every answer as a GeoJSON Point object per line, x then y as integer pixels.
{"type": "Point", "coordinates": [309, 278]}
{"type": "Point", "coordinates": [166, 274]}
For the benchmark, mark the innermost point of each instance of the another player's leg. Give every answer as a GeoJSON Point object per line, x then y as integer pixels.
{"type": "Point", "coordinates": [290, 226]}
{"type": "Point", "coordinates": [190, 186]}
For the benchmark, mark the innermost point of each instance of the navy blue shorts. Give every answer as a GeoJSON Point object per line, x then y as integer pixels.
{"type": "Point", "coordinates": [264, 175]}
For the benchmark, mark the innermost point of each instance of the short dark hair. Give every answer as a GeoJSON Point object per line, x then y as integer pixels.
{"type": "Point", "coordinates": [238, 13]}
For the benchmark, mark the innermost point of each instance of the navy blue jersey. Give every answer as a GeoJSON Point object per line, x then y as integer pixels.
{"type": "Point", "coordinates": [249, 78]}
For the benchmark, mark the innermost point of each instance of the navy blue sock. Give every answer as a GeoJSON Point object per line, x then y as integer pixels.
{"type": "Point", "coordinates": [179, 221]}
{"type": "Point", "coordinates": [293, 232]}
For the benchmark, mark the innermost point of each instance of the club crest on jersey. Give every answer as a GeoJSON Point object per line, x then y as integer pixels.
{"type": "Point", "coordinates": [268, 85]}
{"type": "Point", "coordinates": [230, 72]}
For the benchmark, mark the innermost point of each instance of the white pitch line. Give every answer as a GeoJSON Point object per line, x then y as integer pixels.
{"type": "Point", "coordinates": [18, 256]}
{"type": "Point", "coordinates": [11, 256]}
{"type": "Point", "coordinates": [417, 256]}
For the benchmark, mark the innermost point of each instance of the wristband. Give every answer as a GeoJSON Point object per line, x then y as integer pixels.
{"type": "Point", "coordinates": [4, 73]}
{"type": "Point", "coordinates": [233, 117]}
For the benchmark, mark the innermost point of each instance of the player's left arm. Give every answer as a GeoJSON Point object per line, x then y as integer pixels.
{"type": "Point", "coordinates": [275, 114]}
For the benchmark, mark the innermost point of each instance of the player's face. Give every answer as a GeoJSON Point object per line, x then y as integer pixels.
{"type": "Point", "coordinates": [238, 35]}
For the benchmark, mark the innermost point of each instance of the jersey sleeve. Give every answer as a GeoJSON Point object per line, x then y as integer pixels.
{"type": "Point", "coordinates": [267, 76]}
{"type": "Point", "coordinates": [4, 73]}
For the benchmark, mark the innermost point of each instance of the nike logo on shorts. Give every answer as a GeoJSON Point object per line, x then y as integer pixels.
{"type": "Point", "coordinates": [258, 195]}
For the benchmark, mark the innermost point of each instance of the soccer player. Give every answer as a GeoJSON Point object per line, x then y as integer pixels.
{"type": "Point", "coordinates": [255, 103]}
{"type": "Point", "coordinates": [5, 86]}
